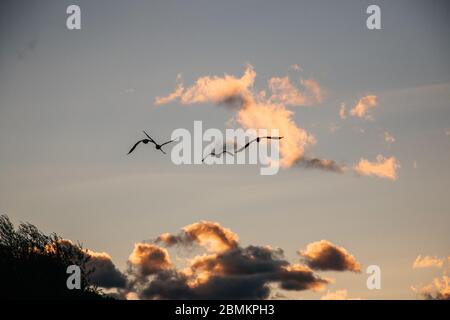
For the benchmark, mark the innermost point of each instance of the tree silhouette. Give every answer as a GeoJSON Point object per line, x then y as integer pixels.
{"type": "Point", "coordinates": [33, 265]}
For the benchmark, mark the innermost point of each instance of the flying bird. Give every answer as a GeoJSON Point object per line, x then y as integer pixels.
{"type": "Point", "coordinates": [258, 139]}
{"type": "Point", "coordinates": [219, 154]}
{"type": "Point", "coordinates": [150, 139]}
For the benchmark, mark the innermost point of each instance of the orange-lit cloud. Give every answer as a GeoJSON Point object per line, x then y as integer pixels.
{"type": "Point", "coordinates": [427, 261]}
{"type": "Point", "coordinates": [149, 258]}
{"type": "Point", "coordinates": [284, 92]}
{"type": "Point", "coordinates": [337, 295]}
{"type": "Point", "coordinates": [362, 108]}
{"type": "Point", "coordinates": [270, 111]}
{"type": "Point", "coordinates": [227, 90]}
{"type": "Point", "coordinates": [438, 289]}
{"type": "Point", "coordinates": [324, 255]}
{"type": "Point", "coordinates": [256, 111]}
{"type": "Point", "coordinates": [383, 167]}
{"type": "Point", "coordinates": [204, 233]}
{"type": "Point", "coordinates": [342, 112]}
{"type": "Point", "coordinates": [230, 271]}
{"type": "Point", "coordinates": [271, 116]}
{"type": "Point", "coordinates": [212, 235]}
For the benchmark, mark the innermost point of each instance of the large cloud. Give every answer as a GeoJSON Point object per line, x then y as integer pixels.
{"type": "Point", "coordinates": [270, 111]}
{"type": "Point", "coordinates": [256, 111]}
{"type": "Point", "coordinates": [225, 270]}
{"type": "Point", "coordinates": [239, 273]}
{"type": "Point", "coordinates": [383, 167]}
{"type": "Point", "coordinates": [326, 256]}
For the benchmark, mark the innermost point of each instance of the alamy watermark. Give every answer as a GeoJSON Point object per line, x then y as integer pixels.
{"type": "Point", "coordinates": [236, 146]}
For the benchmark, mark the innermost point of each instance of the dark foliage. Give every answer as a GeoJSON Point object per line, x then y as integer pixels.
{"type": "Point", "coordinates": [33, 265]}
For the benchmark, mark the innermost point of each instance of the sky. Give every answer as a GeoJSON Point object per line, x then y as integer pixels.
{"type": "Point", "coordinates": [73, 102]}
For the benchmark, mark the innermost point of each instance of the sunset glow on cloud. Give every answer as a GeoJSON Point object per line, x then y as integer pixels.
{"type": "Point", "coordinates": [383, 167]}
{"type": "Point", "coordinates": [363, 107]}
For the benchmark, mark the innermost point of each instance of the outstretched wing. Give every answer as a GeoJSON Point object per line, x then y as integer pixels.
{"type": "Point", "coordinates": [167, 142]}
{"type": "Point", "coordinates": [134, 147]}
{"type": "Point", "coordinates": [246, 146]}
{"type": "Point", "coordinates": [150, 138]}
{"type": "Point", "coordinates": [277, 138]}
{"type": "Point", "coordinates": [208, 155]}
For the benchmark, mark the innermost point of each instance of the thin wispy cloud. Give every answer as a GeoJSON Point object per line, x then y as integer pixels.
{"type": "Point", "coordinates": [321, 164]}
{"type": "Point", "coordinates": [427, 262]}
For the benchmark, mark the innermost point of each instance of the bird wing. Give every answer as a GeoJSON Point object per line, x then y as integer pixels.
{"type": "Point", "coordinates": [246, 145]}
{"type": "Point", "coordinates": [208, 155]}
{"type": "Point", "coordinates": [134, 147]}
{"type": "Point", "coordinates": [150, 138]}
{"type": "Point", "coordinates": [279, 138]}
{"type": "Point", "coordinates": [167, 142]}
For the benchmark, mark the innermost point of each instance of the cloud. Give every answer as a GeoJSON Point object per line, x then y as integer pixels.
{"type": "Point", "coordinates": [388, 138]}
{"type": "Point", "coordinates": [362, 108]}
{"type": "Point", "coordinates": [321, 164]}
{"type": "Point", "coordinates": [427, 261]}
{"type": "Point", "coordinates": [342, 112]}
{"type": "Point", "coordinates": [227, 90]}
{"type": "Point", "coordinates": [295, 67]}
{"type": "Point", "coordinates": [438, 289]}
{"type": "Point", "coordinates": [270, 111]}
{"type": "Point", "coordinates": [256, 111]}
{"type": "Point", "coordinates": [225, 270]}
{"type": "Point", "coordinates": [286, 93]}
{"type": "Point", "coordinates": [324, 255]}
{"type": "Point", "coordinates": [204, 233]}
{"type": "Point", "coordinates": [103, 271]}
{"type": "Point", "coordinates": [149, 259]}
{"type": "Point", "coordinates": [383, 167]}
{"type": "Point", "coordinates": [337, 295]}
{"type": "Point", "coordinates": [240, 273]}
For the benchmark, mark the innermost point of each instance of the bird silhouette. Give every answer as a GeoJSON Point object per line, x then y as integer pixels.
{"type": "Point", "coordinates": [150, 139]}
{"type": "Point", "coordinates": [258, 139]}
{"type": "Point", "coordinates": [217, 155]}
